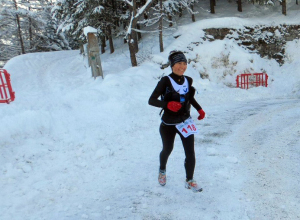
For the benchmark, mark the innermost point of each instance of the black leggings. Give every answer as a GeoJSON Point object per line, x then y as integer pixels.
{"type": "Point", "coordinates": [168, 133]}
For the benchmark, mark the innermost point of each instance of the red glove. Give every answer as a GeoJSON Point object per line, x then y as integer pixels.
{"type": "Point", "coordinates": [174, 106]}
{"type": "Point", "coordinates": [201, 114]}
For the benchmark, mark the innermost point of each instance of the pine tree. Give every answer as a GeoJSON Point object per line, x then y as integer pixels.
{"type": "Point", "coordinates": [75, 15]}
{"type": "Point", "coordinates": [163, 12]}
{"type": "Point", "coordinates": [24, 28]}
{"type": "Point", "coordinates": [11, 35]}
{"type": "Point", "coordinates": [135, 14]}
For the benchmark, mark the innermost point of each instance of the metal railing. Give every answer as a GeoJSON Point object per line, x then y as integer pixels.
{"type": "Point", "coordinates": [7, 95]}
{"type": "Point", "coordinates": [248, 80]}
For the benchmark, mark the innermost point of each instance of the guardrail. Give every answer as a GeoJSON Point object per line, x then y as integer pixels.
{"type": "Point", "coordinates": [248, 80]}
{"type": "Point", "coordinates": [7, 95]}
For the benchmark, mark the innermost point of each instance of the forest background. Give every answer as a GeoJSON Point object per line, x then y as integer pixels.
{"type": "Point", "coordinates": [28, 26]}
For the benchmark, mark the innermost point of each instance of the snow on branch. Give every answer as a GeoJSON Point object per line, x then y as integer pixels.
{"type": "Point", "coordinates": [129, 26]}
{"type": "Point", "coordinates": [186, 5]}
{"type": "Point", "coordinates": [128, 2]}
{"type": "Point", "coordinates": [98, 10]}
{"type": "Point", "coordinates": [144, 8]}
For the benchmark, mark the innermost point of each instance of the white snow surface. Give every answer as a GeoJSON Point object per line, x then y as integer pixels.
{"type": "Point", "coordinates": [72, 147]}
{"type": "Point", "coordinates": [89, 29]}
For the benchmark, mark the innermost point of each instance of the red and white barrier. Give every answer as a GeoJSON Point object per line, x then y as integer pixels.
{"type": "Point", "coordinates": [248, 80]}
{"type": "Point", "coordinates": [7, 95]}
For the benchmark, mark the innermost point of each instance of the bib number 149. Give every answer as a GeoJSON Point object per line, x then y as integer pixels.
{"type": "Point", "coordinates": [187, 128]}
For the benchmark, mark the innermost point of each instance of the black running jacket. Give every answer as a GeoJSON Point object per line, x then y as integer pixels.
{"type": "Point", "coordinates": [164, 93]}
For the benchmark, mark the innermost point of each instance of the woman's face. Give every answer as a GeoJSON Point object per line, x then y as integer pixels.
{"type": "Point", "coordinates": [179, 68]}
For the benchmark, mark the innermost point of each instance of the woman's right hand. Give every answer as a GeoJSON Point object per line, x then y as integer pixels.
{"type": "Point", "coordinates": [201, 114]}
{"type": "Point", "coordinates": [174, 106]}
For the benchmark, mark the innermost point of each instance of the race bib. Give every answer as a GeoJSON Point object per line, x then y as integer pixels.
{"type": "Point", "coordinates": [187, 128]}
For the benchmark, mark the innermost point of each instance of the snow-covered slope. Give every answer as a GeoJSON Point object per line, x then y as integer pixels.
{"type": "Point", "coordinates": [72, 147]}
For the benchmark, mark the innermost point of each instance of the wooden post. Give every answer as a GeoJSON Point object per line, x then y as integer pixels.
{"type": "Point", "coordinates": [94, 55]}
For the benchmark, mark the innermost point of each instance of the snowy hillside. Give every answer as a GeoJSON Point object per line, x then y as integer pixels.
{"type": "Point", "coordinates": [72, 147]}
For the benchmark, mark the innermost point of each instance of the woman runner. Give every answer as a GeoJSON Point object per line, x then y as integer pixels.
{"type": "Point", "coordinates": [177, 96]}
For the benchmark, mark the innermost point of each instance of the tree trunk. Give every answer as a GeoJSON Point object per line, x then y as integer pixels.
{"type": "Point", "coordinates": [133, 33]}
{"type": "Point", "coordinates": [161, 45]}
{"type": "Point", "coordinates": [193, 15]}
{"type": "Point", "coordinates": [132, 51]}
{"type": "Point", "coordinates": [20, 35]}
{"type": "Point", "coordinates": [19, 30]}
{"type": "Point", "coordinates": [139, 34]}
{"type": "Point", "coordinates": [240, 5]}
{"type": "Point", "coordinates": [170, 19]}
{"type": "Point", "coordinates": [134, 40]}
{"type": "Point", "coordinates": [145, 16]}
{"type": "Point", "coordinates": [30, 34]}
{"type": "Point", "coordinates": [103, 44]}
{"type": "Point", "coordinates": [30, 31]}
{"type": "Point", "coordinates": [212, 6]}
{"type": "Point", "coordinates": [110, 40]}
{"type": "Point", "coordinates": [284, 7]}
{"type": "Point", "coordinates": [114, 5]}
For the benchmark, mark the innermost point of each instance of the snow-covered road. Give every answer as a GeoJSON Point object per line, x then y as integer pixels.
{"type": "Point", "coordinates": [73, 148]}
{"type": "Point", "coordinates": [255, 146]}
{"type": "Point", "coordinates": [63, 162]}
{"type": "Point", "coordinates": [247, 163]}
{"type": "Point", "coordinates": [267, 137]}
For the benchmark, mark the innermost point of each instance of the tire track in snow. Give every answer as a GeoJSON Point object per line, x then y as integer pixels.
{"type": "Point", "coordinates": [250, 152]}
{"type": "Point", "coordinates": [268, 140]}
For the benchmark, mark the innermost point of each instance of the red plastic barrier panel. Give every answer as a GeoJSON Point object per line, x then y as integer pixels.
{"type": "Point", "coordinates": [7, 95]}
{"type": "Point", "coordinates": [248, 80]}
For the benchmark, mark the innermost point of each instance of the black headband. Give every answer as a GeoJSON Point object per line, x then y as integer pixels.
{"type": "Point", "coordinates": [176, 58]}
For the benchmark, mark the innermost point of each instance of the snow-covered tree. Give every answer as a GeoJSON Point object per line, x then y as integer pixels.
{"type": "Point", "coordinates": [24, 26]}
{"type": "Point", "coordinates": [75, 15]}
{"type": "Point", "coordinates": [131, 34]}
{"type": "Point", "coordinates": [11, 33]}
{"type": "Point", "coordinates": [163, 11]}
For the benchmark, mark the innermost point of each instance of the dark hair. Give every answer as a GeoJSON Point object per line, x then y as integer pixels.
{"type": "Point", "coordinates": [176, 56]}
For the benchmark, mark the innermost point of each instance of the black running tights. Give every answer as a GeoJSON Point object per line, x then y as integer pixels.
{"type": "Point", "coordinates": [168, 133]}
